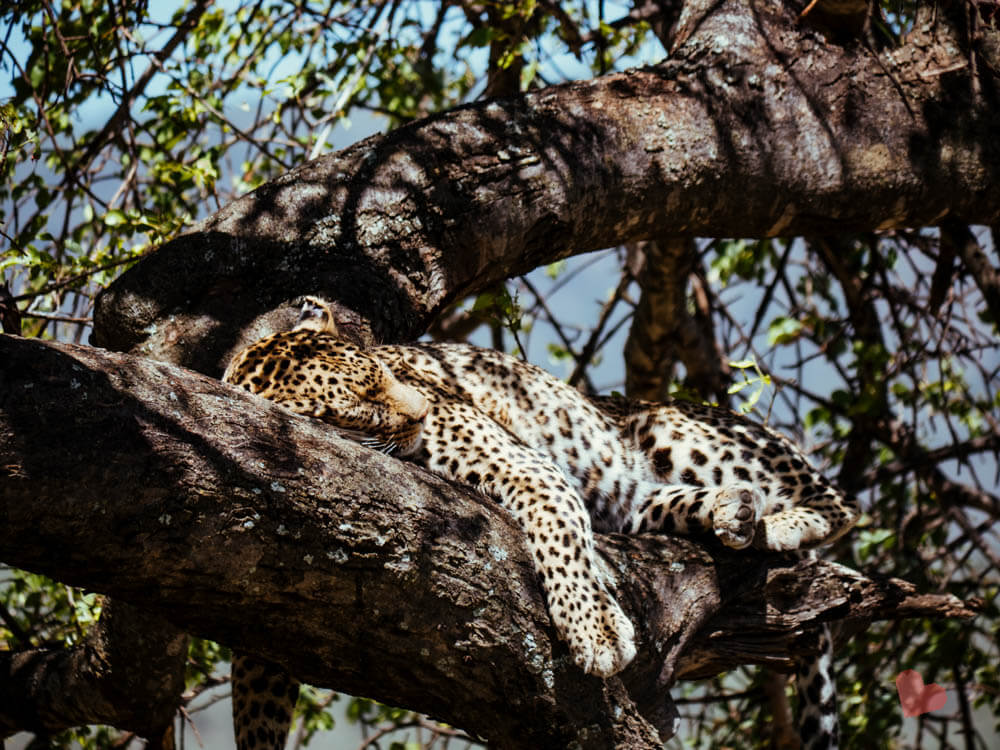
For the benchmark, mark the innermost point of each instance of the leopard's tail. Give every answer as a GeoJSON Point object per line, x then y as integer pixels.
{"type": "Point", "coordinates": [264, 698]}
{"type": "Point", "coordinates": [817, 691]}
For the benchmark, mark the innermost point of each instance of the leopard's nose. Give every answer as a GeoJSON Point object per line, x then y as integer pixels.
{"type": "Point", "coordinates": [415, 404]}
{"type": "Point", "coordinates": [422, 407]}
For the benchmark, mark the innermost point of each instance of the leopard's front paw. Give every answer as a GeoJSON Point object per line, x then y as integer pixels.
{"type": "Point", "coordinates": [602, 638]}
{"type": "Point", "coordinates": [736, 511]}
{"type": "Point", "coordinates": [791, 529]}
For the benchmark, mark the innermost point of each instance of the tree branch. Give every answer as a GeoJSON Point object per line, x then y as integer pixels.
{"type": "Point", "coordinates": [960, 240]}
{"type": "Point", "coordinates": [925, 464]}
{"type": "Point", "coordinates": [663, 332]}
{"type": "Point", "coordinates": [126, 673]}
{"type": "Point", "coordinates": [243, 523]}
{"type": "Point", "coordinates": [812, 137]}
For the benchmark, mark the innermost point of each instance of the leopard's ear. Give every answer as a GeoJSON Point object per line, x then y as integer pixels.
{"type": "Point", "coordinates": [315, 315]}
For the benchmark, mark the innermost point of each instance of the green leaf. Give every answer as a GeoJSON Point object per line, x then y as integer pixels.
{"type": "Point", "coordinates": [783, 331]}
{"type": "Point", "coordinates": [480, 36]}
{"type": "Point", "coordinates": [552, 270]}
{"type": "Point", "coordinates": [114, 218]}
{"type": "Point", "coordinates": [557, 352]}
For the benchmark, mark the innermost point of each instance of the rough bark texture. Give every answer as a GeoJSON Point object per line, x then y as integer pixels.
{"type": "Point", "coordinates": [755, 126]}
{"type": "Point", "coordinates": [240, 522]}
{"type": "Point", "coordinates": [125, 674]}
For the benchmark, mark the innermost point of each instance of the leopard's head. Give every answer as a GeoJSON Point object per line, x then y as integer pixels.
{"type": "Point", "coordinates": [311, 371]}
{"type": "Point", "coordinates": [316, 315]}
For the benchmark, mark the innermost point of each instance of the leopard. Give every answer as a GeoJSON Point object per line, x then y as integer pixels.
{"type": "Point", "coordinates": [564, 465]}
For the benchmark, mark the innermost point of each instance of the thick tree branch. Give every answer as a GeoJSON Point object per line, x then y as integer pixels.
{"type": "Point", "coordinates": [772, 131]}
{"type": "Point", "coordinates": [243, 523]}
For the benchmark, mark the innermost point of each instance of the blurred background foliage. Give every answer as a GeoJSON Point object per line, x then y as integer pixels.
{"type": "Point", "coordinates": [123, 122]}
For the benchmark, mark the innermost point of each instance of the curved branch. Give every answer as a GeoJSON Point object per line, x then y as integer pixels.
{"type": "Point", "coordinates": [811, 137]}
{"type": "Point", "coordinates": [241, 522]}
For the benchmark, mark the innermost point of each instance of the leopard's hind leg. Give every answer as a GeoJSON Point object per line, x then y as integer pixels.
{"type": "Point", "coordinates": [731, 512]}
{"type": "Point", "coordinates": [814, 520]}
{"type": "Point", "coordinates": [738, 514]}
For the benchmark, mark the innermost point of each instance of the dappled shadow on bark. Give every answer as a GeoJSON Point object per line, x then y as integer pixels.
{"type": "Point", "coordinates": [246, 280]}
{"type": "Point", "coordinates": [373, 227]}
{"type": "Point", "coordinates": [79, 420]}
{"type": "Point", "coordinates": [756, 126]}
{"type": "Point", "coordinates": [255, 538]}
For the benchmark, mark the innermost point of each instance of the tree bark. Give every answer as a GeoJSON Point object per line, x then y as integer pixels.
{"type": "Point", "coordinates": [238, 521]}
{"type": "Point", "coordinates": [755, 126]}
{"type": "Point", "coordinates": [125, 673]}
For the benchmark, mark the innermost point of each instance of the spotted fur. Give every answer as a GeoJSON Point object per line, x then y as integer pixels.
{"type": "Point", "coordinates": [563, 465]}
{"type": "Point", "coordinates": [264, 698]}
{"type": "Point", "coordinates": [817, 714]}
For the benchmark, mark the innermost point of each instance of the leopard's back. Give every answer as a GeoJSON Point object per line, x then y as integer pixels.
{"type": "Point", "coordinates": [618, 451]}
